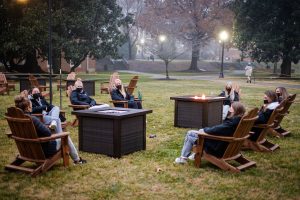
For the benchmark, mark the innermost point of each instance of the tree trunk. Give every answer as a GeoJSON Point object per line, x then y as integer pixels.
{"type": "Point", "coordinates": [275, 68]}
{"type": "Point", "coordinates": [286, 66]}
{"type": "Point", "coordinates": [56, 56]}
{"type": "Point", "coordinates": [129, 49]}
{"type": "Point", "coordinates": [30, 65]}
{"type": "Point", "coordinates": [195, 58]}
{"type": "Point", "coordinates": [167, 70]}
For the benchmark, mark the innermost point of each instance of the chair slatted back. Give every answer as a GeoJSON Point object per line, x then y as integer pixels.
{"type": "Point", "coordinates": [242, 130]}
{"type": "Point", "coordinates": [33, 81]}
{"type": "Point", "coordinates": [271, 120]}
{"type": "Point", "coordinates": [3, 78]}
{"type": "Point", "coordinates": [24, 134]}
{"type": "Point", "coordinates": [132, 85]}
{"type": "Point", "coordinates": [281, 114]}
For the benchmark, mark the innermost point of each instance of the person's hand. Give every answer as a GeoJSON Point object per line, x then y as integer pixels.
{"type": "Point", "coordinates": [44, 107]}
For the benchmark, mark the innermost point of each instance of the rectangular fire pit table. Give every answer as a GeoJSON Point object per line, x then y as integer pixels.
{"type": "Point", "coordinates": [112, 131]}
{"type": "Point", "coordinates": [197, 112]}
{"type": "Point", "coordinates": [88, 86]}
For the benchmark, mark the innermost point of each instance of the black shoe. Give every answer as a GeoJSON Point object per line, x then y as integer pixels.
{"type": "Point", "coordinates": [80, 161]}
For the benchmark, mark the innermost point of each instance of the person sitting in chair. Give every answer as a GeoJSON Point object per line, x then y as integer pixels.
{"type": "Point", "coordinates": [49, 148]}
{"type": "Point", "coordinates": [119, 93]}
{"type": "Point", "coordinates": [281, 93]}
{"type": "Point", "coordinates": [232, 94]}
{"type": "Point", "coordinates": [50, 112]}
{"type": "Point", "coordinates": [81, 97]}
{"type": "Point", "coordinates": [270, 103]}
{"type": "Point", "coordinates": [214, 147]}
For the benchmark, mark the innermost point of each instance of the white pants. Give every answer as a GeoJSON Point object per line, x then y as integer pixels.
{"type": "Point", "coordinates": [225, 111]}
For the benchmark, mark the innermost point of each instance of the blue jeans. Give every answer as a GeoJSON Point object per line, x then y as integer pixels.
{"type": "Point", "coordinates": [54, 115]}
{"type": "Point", "coordinates": [190, 139]}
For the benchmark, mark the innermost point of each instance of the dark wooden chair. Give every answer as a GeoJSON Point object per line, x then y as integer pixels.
{"type": "Point", "coordinates": [132, 85]}
{"type": "Point", "coordinates": [104, 87]}
{"type": "Point", "coordinates": [63, 85]}
{"type": "Point", "coordinates": [262, 144]}
{"type": "Point", "coordinates": [9, 86]}
{"type": "Point", "coordinates": [233, 150]}
{"type": "Point", "coordinates": [35, 83]}
{"type": "Point", "coordinates": [75, 107]}
{"type": "Point", "coordinates": [276, 129]}
{"type": "Point", "coordinates": [29, 144]}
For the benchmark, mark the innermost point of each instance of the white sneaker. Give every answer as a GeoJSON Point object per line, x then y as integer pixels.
{"type": "Point", "coordinates": [192, 156]}
{"type": "Point", "coordinates": [181, 160]}
{"type": "Point", "coordinates": [53, 125]}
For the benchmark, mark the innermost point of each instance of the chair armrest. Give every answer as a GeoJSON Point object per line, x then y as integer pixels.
{"type": "Point", "coordinates": [39, 116]}
{"type": "Point", "coordinates": [54, 136]}
{"type": "Point", "coordinates": [118, 101]}
{"type": "Point", "coordinates": [222, 138]}
{"type": "Point", "coordinates": [79, 106]}
{"type": "Point", "coordinates": [263, 125]}
{"type": "Point", "coordinates": [42, 139]}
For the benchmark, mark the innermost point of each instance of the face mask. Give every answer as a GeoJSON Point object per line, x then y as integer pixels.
{"type": "Point", "coordinates": [36, 95]}
{"type": "Point", "coordinates": [228, 90]}
{"type": "Point", "coordinates": [78, 89]}
{"type": "Point", "coordinates": [266, 101]}
{"type": "Point", "coordinates": [119, 87]}
{"type": "Point", "coordinates": [278, 94]}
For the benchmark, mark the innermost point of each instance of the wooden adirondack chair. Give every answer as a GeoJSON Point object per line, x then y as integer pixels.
{"type": "Point", "coordinates": [3, 80]}
{"type": "Point", "coordinates": [285, 111]}
{"type": "Point", "coordinates": [35, 83]}
{"type": "Point", "coordinates": [232, 152]}
{"type": "Point", "coordinates": [75, 107]}
{"type": "Point", "coordinates": [262, 144]}
{"type": "Point", "coordinates": [29, 144]}
{"type": "Point", "coordinates": [132, 85]}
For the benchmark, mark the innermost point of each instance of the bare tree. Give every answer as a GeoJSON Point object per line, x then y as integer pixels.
{"type": "Point", "coordinates": [132, 30]}
{"type": "Point", "coordinates": [164, 48]}
{"type": "Point", "coordinates": [195, 21]}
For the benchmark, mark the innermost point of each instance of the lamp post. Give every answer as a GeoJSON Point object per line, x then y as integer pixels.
{"type": "Point", "coordinates": [142, 45]}
{"type": "Point", "coordinates": [223, 37]}
{"type": "Point", "coordinates": [49, 42]}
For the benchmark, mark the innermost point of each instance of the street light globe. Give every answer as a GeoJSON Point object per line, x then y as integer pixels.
{"type": "Point", "coordinates": [162, 38]}
{"type": "Point", "coordinates": [22, 1]}
{"type": "Point", "coordinates": [142, 41]}
{"type": "Point", "coordinates": [223, 36]}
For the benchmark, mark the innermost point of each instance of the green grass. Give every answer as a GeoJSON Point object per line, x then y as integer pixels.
{"type": "Point", "coordinates": [151, 174]}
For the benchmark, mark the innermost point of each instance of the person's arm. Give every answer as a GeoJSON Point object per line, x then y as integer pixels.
{"type": "Point", "coordinates": [263, 117]}
{"type": "Point", "coordinates": [36, 108]}
{"type": "Point", "coordinates": [115, 96]}
{"type": "Point", "coordinates": [40, 128]}
{"type": "Point", "coordinates": [226, 129]}
{"type": "Point", "coordinates": [75, 100]}
{"type": "Point", "coordinates": [93, 102]}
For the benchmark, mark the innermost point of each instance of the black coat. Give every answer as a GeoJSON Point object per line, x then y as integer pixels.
{"type": "Point", "coordinates": [81, 98]}
{"type": "Point", "coordinates": [37, 108]}
{"type": "Point", "coordinates": [227, 128]}
{"type": "Point", "coordinates": [263, 117]}
{"type": "Point", "coordinates": [228, 101]}
{"type": "Point", "coordinates": [49, 148]}
{"type": "Point", "coordinates": [117, 95]}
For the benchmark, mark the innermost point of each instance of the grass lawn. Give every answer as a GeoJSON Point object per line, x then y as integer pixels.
{"type": "Point", "coordinates": [151, 174]}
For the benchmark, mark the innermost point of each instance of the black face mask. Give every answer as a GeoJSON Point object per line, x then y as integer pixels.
{"type": "Point", "coordinates": [78, 89]}
{"type": "Point", "coordinates": [266, 101]}
{"type": "Point", "coordinates": [36, 95]}
{"type": "Point", "coordinates": [119, 87]}
{"type": "Point", "coordinates": [278, 94]}
{"type": "Point", "coordinates": [228, 90]}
